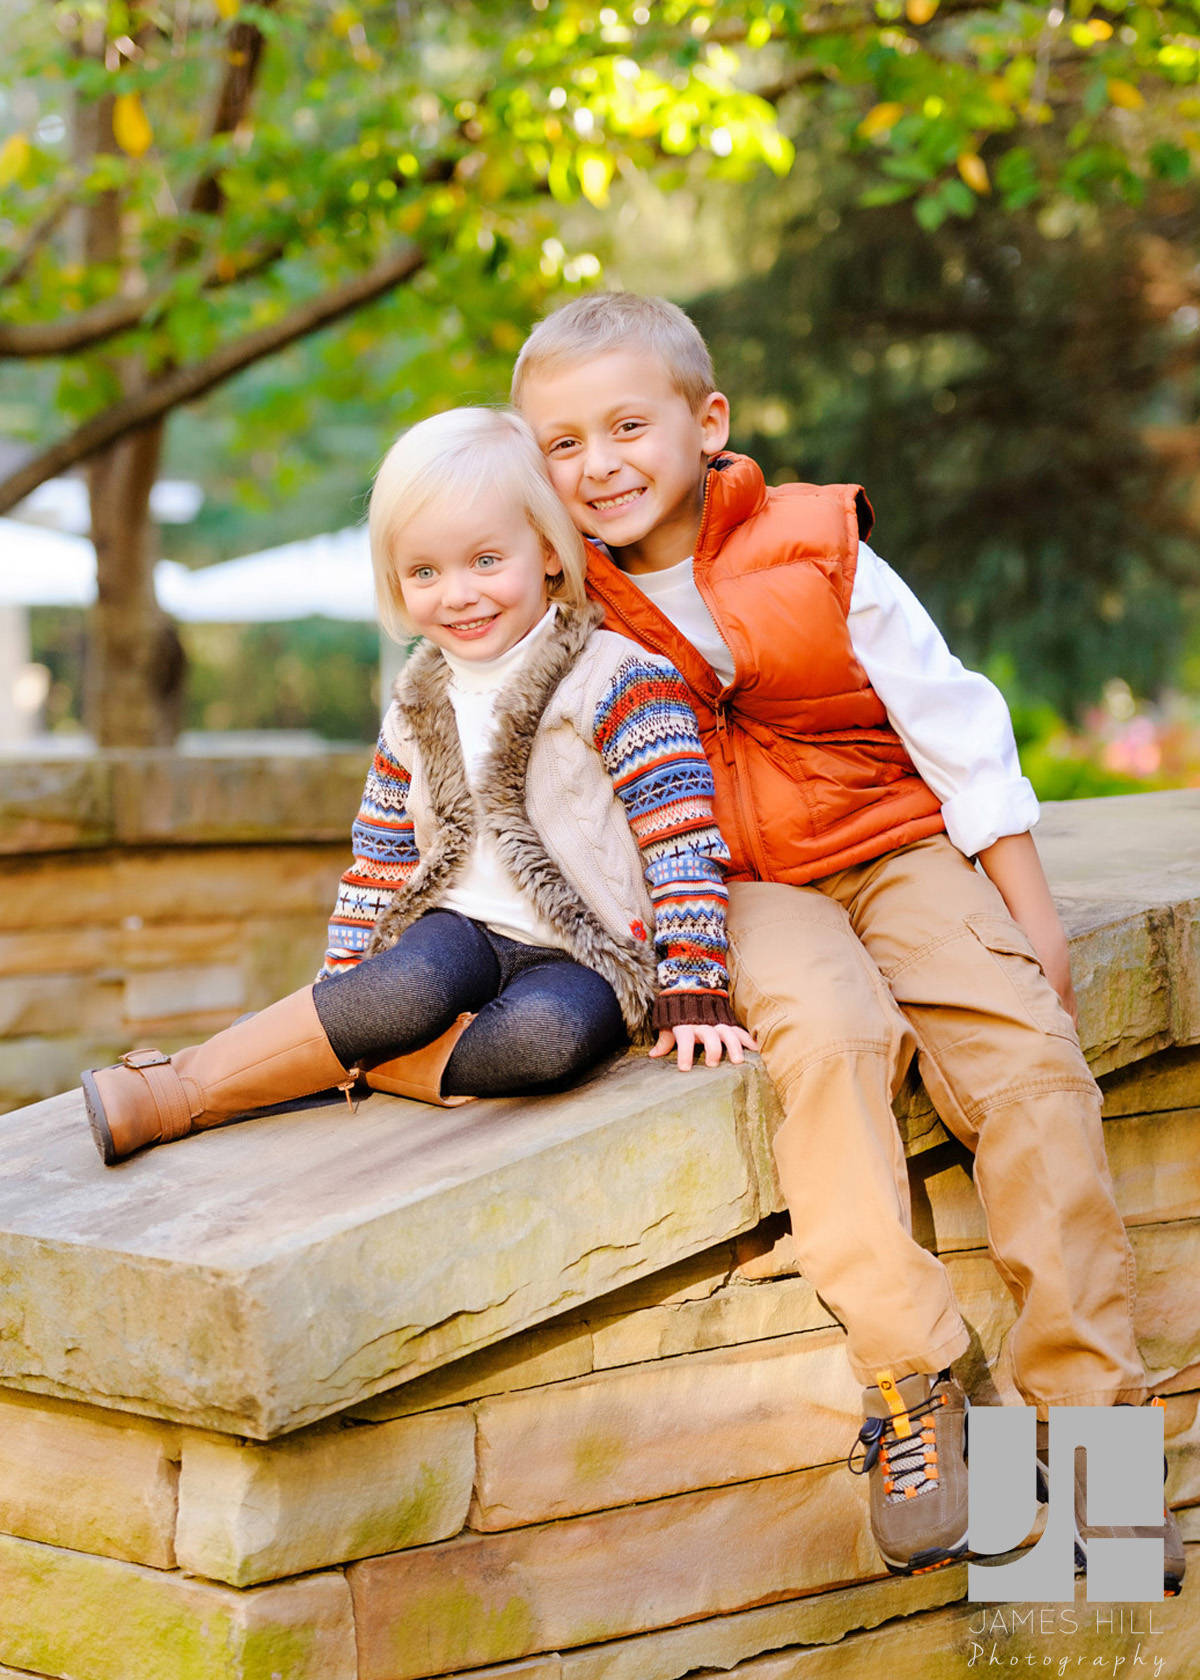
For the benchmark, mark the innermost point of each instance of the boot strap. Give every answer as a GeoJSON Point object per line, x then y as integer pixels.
{"type": "Point", "coordinates": [166, 1089]}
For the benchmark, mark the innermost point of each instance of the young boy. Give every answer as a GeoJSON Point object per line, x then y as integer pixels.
{"type": "Point", "coordinates": [860, 772]}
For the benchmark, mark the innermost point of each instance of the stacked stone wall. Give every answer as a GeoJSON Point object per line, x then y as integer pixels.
{"type": "Point", "coordinates": [533, 1388]}
{"type": "Point", "coordinates": [152, 897]}
{"type": "Point", "coordinates": [645, 1486]}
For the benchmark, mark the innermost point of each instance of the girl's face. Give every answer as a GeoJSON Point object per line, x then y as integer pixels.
{"type": "Point", "coordinates": [473, 577]}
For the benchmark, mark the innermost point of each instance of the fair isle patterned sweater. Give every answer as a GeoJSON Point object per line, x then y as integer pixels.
{"type": "Point", "coordinates": [644, 730]}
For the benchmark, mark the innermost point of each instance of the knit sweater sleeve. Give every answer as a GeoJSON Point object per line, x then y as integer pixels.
{"type": "Point", "coordinates": [385, 857]}
{"type": "Point", "coordinates": [647, 735]}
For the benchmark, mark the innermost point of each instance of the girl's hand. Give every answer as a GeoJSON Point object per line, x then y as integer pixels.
{"type": "Point", "coordinates": [713, 1040]}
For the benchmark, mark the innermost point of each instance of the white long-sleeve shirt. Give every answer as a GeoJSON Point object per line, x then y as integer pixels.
{"type": "Point", "coordinates": [954, 723]}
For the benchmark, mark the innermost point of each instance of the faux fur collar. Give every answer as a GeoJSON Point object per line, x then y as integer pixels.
{"type": "Point", "coordinates": [421, 695]}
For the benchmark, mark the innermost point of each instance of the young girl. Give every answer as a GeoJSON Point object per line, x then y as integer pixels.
{"type": "Point", "coordinates": [537, 873]}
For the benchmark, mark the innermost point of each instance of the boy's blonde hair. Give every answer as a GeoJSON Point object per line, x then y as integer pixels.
{"type": "Point", "coordinates": [598, 322]}
{"type": "Point", "coordinates": [451, 457]}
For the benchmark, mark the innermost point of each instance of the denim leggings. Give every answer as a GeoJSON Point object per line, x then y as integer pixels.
{"type": "Point", "coordinates": [540, 1017]}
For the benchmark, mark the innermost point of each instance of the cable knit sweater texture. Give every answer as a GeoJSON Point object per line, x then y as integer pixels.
{"type": "Point", "coordinates": [598, 798]}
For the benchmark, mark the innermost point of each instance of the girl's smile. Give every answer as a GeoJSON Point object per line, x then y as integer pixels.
{"type": "Point", "coordinates": [473, 577]}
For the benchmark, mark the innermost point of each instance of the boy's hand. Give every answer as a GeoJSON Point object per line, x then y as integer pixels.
{"type": "Point", "coordinates": [712, 1040]}
{"type": "Point", "coordinates": [1012, 864]}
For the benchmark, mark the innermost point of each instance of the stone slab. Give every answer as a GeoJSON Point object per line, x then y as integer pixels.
{"type": "Point", "coordinates": [88, 1618]}
{"type": "Point", "coordinates": [90, 1481]}
{"type": "Point", "coordinates": [499, 1597]}
{"type": "Point", "coordinates": [624, 1437]}
{"type": "Point", "coordinates": [737, 1314]}
{"type": "Point", "coordinates": [1170, 1080]}
{"type": "Point", "coordinates": [1126, 877]}
{"type": "Point", "coordinates": [550, 1353]}
{"type": "Point", "coordinates": [127, 797]}
{"type": "Point", "coordinates": [260, 1276]}
{"type": "Point", "coordinates": [251, 1513]}
{"type": "Point", "coordinates": [822, 1619]}
{"type": "Point", "coordinates": [1079, 1638]}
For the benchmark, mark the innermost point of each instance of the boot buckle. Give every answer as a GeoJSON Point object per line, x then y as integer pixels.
{"type": "Point", "coordinates": [144, 1058]}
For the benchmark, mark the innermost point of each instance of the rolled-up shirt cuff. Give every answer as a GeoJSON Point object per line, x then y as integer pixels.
{"type": "Point", "coordinates": [987, 811]}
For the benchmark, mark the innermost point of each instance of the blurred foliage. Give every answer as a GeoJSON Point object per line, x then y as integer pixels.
{"type": "Point", "coordinates": [954, 306]}
{"type": "Point", "coordinates": [994, 390]}
{"type": "Point", "coordinates": [310, 674]}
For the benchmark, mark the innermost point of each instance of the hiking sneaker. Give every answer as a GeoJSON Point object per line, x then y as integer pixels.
{"type": "Point", "coordinates": [1174, 1556]}
{"type": "Point", "coordinates": [913, 1444]}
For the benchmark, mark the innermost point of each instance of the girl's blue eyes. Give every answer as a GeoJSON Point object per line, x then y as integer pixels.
{"type": "Point", "coordinates": [425, 574]}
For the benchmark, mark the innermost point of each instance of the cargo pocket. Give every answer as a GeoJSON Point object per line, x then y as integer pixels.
{"type": "Point", "coordinates": [1017, 961]}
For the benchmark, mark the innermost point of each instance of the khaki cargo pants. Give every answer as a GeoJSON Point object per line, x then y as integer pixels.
{"type": "Point", "coordinates": [842, 981]}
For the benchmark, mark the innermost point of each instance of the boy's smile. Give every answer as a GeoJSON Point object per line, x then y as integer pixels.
{"type": "Point", "coordinates": [627, 453]}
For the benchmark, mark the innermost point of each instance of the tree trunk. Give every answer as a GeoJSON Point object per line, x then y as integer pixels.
{"type": "Point", "coordinates": [133, 687]}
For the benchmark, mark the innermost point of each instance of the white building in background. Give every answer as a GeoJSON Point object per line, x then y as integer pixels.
{"type": "Point", "coordinates": [326, 576]}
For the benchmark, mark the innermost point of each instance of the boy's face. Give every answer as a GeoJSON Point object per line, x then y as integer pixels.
{"type": "Point", "coordinates": [627, 453]}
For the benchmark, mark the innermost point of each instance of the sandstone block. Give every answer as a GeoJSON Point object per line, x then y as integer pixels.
{"type": "Point", "coordinates": [1167, 1081]}
{"type": "Point", "coordinates": [158, 994]}
{"type": "Point", "coordinates": [738, 1314]}
{"type": "Point", "coordinates": [57, 950]}
{"type": "Point", "coordinates": [94, 1482]}
{"type": "Point", "coordinates": [1078, 1639]}
{"type": "Point", "coordinates": [624, 1437]}
{"type": "Point", "coordinates": [55, 803]}
{"type": "Point", "coordinates": [104, 888]}
{"type": "Point", "coordinates": [166, 796]}
{"type": "Point", "coordinates": [155, 946]}
{"type": "Point", "coordinates": [423, 1233]}
{"type": "Point", "coordinates": [1168, 1296]}
{"type": "Point", "coordinates": [549, 1353]}
{"type": "Point", "coordinates": [59, 1003]}
{"type": "Point", "coordinates": [250, 1513]}
{"type": "Point", "coordinates": [91, 1618]}
{"type": "Point", "coordinates": [497, 1597]}
{"type": "Point", "coordinates": [822, 1619]}
{"type": "Point", "coordinates": [32, 1069]}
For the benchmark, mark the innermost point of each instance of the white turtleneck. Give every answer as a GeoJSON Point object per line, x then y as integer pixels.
{"type": "Point", "coordinates": [485, 890]}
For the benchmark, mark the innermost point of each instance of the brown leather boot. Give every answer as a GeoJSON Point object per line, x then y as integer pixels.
{"type": "Point", "coordinates": [419, 1073]}
{"type": "Point", "coordinates": [280, 1053]}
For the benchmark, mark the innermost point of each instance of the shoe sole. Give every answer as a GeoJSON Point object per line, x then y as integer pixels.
{"type": "Point", "coordinates": [923, 1563]}
{"type": "Point", "coordinates": [97, 1120]}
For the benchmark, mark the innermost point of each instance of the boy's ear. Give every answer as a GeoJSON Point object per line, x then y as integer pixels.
{"type": "Point", "coordinates": [714, 422]}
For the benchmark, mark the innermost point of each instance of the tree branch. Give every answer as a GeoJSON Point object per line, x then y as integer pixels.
{"type": "Point", "coordinates": [184, 385]}
{"type": "Point", "coordinates": [38, 236]}
{"type": "Point", "coordinates": [72, 332]}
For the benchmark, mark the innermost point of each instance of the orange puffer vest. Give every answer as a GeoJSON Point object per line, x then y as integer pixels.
{"type": "Point", "coordinates": [810, 776]}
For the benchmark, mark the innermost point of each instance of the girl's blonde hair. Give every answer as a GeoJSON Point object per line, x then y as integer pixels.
{"type": "Point", "coordinates": [451, 458]}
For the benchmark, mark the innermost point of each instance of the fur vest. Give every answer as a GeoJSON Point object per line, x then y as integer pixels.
{"type": "Point", "coordinates": [542, 795]}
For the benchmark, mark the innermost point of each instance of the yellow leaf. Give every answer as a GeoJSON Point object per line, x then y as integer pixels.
{"type": "Point", "coordinates": [594, 176]}
{"type": "Point", "coordinates": [14, 159]}
{"type": "Point", "coordinates": [228, 9]}
{"type": "Point", "coordinates": [1124, 94]}
{"type": "Point", "coordinates": [920, 11]}
{"type": "Point", "coordinates": [879, 119]}
{"type": "Point", "coordinates": [1101, 30]}
{"type": "Point", "coordinates": [974, 172]}
{"type": "Point", "coordinates": [759, 32]}
{"type": "Point", "coordinates": [131, 127]}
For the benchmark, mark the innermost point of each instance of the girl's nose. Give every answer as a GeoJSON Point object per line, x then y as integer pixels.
{"type": "Point", "coordinates": [462, 590]}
